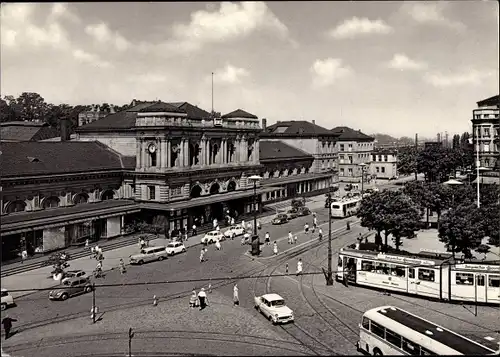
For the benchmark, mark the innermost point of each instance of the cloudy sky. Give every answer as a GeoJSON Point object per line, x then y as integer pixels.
{"type": "Point", "coordinates": [390, 67]}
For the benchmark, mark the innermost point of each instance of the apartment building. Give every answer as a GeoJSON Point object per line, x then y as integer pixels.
{"type": "Point", "coordinates": [384, 164]}
{"type": "Point", "coordinates": [485, 125]}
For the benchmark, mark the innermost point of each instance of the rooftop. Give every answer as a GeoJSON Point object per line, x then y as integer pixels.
{"type": "Point", "coordinates": [15, 131]}
{"type": "Point", "coordinates": [278, 150]}
{"type": "Point", "coordinates": [348, 134]}
{"type": "Point", "coordinates": [492, 101]}
{"type": "Point", "coordinates": [296, 128]}
{"type": "Point", "coordinates": [49, 158]}
{"type": "Point", "coordinates": [239, 113]}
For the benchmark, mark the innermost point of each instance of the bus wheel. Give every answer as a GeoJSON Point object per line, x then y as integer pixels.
{"type": "Point", "coordinates": [377, 352]}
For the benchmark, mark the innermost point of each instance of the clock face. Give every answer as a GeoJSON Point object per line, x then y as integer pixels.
{"type": "Point", "coordinates": [152, 148]}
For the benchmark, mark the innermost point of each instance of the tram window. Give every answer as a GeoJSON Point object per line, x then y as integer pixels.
{"type": "Point", "coordinates": [398, 271]}
{"type": "Point", "coordinates": [464, 279]}
{"type": "Point", "coordinates": [366, 265]}
{"type": "Point", "coordinates": [410, 347]}
{"type": "Point", "coordinates": [426, 274]}
{"type": "Point", "coordinates": [340, 262]}
{"type": "Point", "coordinates": [377, 329]}
{"type": "Point", "coordinates": [366, 323]}
{"type": "Point", "coordinates": [494, 281]}
{"type": "Point", "coordinates": [426, 352]}
{"type": "Point", "coordinates": [393, 338]}
{"type": "Point", "coordinates": [411, 273]}
{"type": "Point", "coordinates": [385, 269]}
{"type": "Point", "coordinates": [480, 280]}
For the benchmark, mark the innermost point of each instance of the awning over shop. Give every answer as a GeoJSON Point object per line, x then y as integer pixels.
{"type": "Point", "coordinates": [201, 201]}
{"type": "Point", "coordinates": [294, 179]}
{"type": "Point", "coordinates": [26, 221]}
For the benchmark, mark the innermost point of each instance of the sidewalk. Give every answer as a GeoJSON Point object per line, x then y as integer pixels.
{"type": "Point", "coordinates": [40, 278]}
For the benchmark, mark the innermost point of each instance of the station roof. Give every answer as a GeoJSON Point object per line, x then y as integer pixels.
{"type": "Point", "coordinates": [296, 128]}
{"type": "Point", "coordinates": [239, 113]}
{"type": "Point", "coordinates": [16, 131]}
{"type": "Point", "coordinates": [348, 134]}
{"type": "Point", "coordinates": [271, 150]}
{"type": "Point", "coordinates": [495, 100]}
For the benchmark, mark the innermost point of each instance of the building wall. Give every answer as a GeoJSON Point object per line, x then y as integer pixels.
{"type": "Point", "coordinates": [350, 155]}
{"type": "Point", "coordinates": [124, 143]}
{"type": "Point", "coordinates": [114, 226]}
{"type": "Point", "coordinates": [384, 165]}
{"type": "Point", "coordinates": [485, 125]}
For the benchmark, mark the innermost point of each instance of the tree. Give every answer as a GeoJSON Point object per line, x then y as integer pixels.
{"type": "Point", "coordinates": [462, 229]}
{"type": "Point", "coordinates": [456, 142]}
{"type": "Point", "coordinates": [407, 160]}
{"type": "Point", "coordinates": [372, 213]}
{"type": "Point", "coordinates": [436, 163]}
{"type": "Point", "coordinates": [437, 198]}
{"type": "Point", "coordinates": [33, 107]}
{"type": "Point", "coordinates": [6, 112]}
{"type": "Point", "coordinates": [483, 249]}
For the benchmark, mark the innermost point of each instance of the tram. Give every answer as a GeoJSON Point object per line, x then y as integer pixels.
{"type": "Point", "coordinates": [346, 208]}
{"type": "Point", "coordinates": [420, 275]}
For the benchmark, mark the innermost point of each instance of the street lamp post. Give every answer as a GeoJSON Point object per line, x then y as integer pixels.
{"type": "Point", "coordinates": [362, 165]}
{"type": "Point", "coordinates": [255, 237]}
{"type": "Point", "coordinates": [329, 277]}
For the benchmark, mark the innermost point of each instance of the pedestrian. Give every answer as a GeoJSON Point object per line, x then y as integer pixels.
{"type": "Point", "coordinates": [243, 224]}
{"type": "Point", "coordinates": [218, 245]}
{"type": "Point", "coordinates": [290, 237]}
{"type": "Point", "coordinates": [236, 299]}
{"type": "Point", "coordinates": [320, 234]}
{"type": "Point", "coordinates": [122, 266]}
{"type": "Point", "coordinates": [7, 325]}
{"type": "Point", "coordinates": [295, 239]}
{"type": "Point", "coordinates": [315, 222]}
{"type": "Point", "coordinates": [86, 243]}
{"type": "Point", "coordinates": [142, 243]}
{"type": "Point", "coordinates": [275, 248]}
{"type": "Point", "coordinates": [259, 226]}
{"type": "Point", "coordinates": [299, 267]}
{"type": "Point", "coordinates": [268, 238]}
{"type": "Point", "coordinates": [215, 223]}
{"type": "Point", "coordinates": [286, 268]}
{"type": "Point", "coordinates": [249, 226]}
{"type": "Point", "coordinates": [202, 255]}
{"type": "Point", "coordinates": [348, 226]}
{"type": "Point", "coordinates": [194, 229]}
{"type": "Point", "coordinates": [313, 229]}
{"type": "Point", "coordinates": [202, 296]}
{"type": "Point", "coordinates": [217, 229]}
{"type": "Point", "coordinates": [193, 299]}
{"type": "Point", "coordinates": [232, 221]}
{"type": "Point", "coordinates": [306, 228]}
{"type": "Point", "coordinates": [24, 255]}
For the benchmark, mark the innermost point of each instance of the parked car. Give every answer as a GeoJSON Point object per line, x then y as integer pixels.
{"type": "Point", "coordinates": [291, 214]}
{"type": "Point", "coordinates": [212, 237]}
{"type": "Point", "coordinates": [149, 254]}
{"type": "Point", "coordinates": [71, 287]}
{"type": "Point", "coordinates": [274, 308]}
{"type": "Point", "coordinates": [175, 248]}
{"type": "Point", "coordinates": [280, 218]}
{"type": "Point", "coordinates": [7, 299]}
{"type": "Point", "coordinates": [234, 231]}
{"type": "Point", "coordinates": [73, 274]}
{"type": "Point", "coordinates": [303, 211]}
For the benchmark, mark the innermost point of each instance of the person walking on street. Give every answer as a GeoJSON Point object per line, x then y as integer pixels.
{"type": "Point", "coordinates": [218, 245]}
{"type": "Point", "coordinates": [202, 255]}
{"type": "Point", "coordinates": [7, 325]}
{"type": "Point", "coordinates": [295, 239]}
{"type": "Point", "coordinates": [86, 243]}
{"type": "Point", "coordinates": [232, 221]}
{"type": "Point", "coordinates": [299, 267]}
{"type": "Point", "coordinates": [236, 299]}
{"type": "Point", "coordinates": [202, 296]}
{"type": "Point", "coordinates": [348, 226]}
{"type": "Point", "coordinates": [290, 237]}
{"type": "Point", "coordinates": [320, 234]}
{"type": "Point", "coordinates": [268, 238]}
{"type": "Point", "coordinates": [315, 222]}
{"type": "Point", "coordinates": [194, 229]}
{"type": "Point", "coordinates": [24, 255]}
{"type": "Point", "coordinates": [193, 299]}
{"type": "Point", "coordinates": [142, 243]}
{"type": "Point", "coordinates": [286, 268]}
{"type": "Point", "coordinates": [217, 229]}
{"type": "Point", "coordinates": [259, 226]}
{"type": "Point", "coordinates": [306, 228]}
{"type": "Point", "coordinates": [243, 224]}
{"type": "Point", "coordinates": [275, 248]}
{"type": "Point", "coordinates": [122, 266]}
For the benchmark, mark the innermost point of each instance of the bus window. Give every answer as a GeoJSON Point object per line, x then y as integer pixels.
{"type": "Point", "coordinates": [393, 338]}
{"type": "Point", "coordinates": [464, 279]}
{"type": "Point", "coordinates": [494, 281]}
{"type": "Point", "coordinates": [335, 206]}
{"type": "Point", "coordinates": [410, 347]}
{"type": "Point", "coordinates": [426, 274]}
{"type": "Point", "coordinates": [377, 329]}
{"type": "Point", "coordinates": [366, 323]}
{"type": "Point", "coordinates": [480, 280]}
{"type": "Point", "coordinates": [411, 273]}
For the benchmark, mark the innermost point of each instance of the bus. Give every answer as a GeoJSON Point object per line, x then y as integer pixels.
{"type": "Point", "coordinates": [388, 330]}
{"type": "Point", "coordinates": [346, 208]}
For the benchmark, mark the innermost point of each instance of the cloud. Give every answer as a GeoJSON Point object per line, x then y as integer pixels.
{"type": "Point", "coordinates": [230, 74]}
{"type": "Point", "coordinates": [356, 27]}
{"type": "Point", "coordinates": [18, 28]}
{"type": "Point", "coordinates": [326, 71]}
{"type": "Point", "coordinates": [90, 58]}
{"type": "Point", "coordinates": [430, 13]}
{"type": "Point", "coordinates": [473, 77]}
{"type": "Point", "coordinates": [147, 78]}
{"type": "Point", "coordinates": [230, 22]}
{"type": "Point", "coordinates": [103, 34]}
{"type": "Point", "coordinates": [61, 11]}
{"type": "Point", "coordinates": [401, 62]}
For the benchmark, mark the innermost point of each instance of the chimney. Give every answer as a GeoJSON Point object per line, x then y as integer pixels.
{"type": "Point", "coordinates": [111, 109]}
{"type": "Point", "coordinates": [134, 103]}
{"type": "Point", "coordinates": [65, 135]}
{"type": "Point", "coordinates": [314, 122]}
{"type": "Point", "coordinates": [264, 123]}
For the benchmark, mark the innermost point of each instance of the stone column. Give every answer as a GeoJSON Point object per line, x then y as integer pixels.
{"type": "Point", "coordinates": [168, 151]}
{"type": "Point", "coordinates": [180, 157]}
{"type": "Point", "coordinates": [186, 153]}
{"type": "Point", "coordinates": [144, 158]}
{"type": "Point", "coordinates": [237, 144]}
{"type": "Point", "coordinates": [138, 154]}
{"type": "Point", "coordinates": [256, 152]}
{"type": "Point", "coordinates": [202, 152]}
{"type": "Point", "coordinates": [224, 151]}
{"type": "Point", "coordinates": [159, 153]}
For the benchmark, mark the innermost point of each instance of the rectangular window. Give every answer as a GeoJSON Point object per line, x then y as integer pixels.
{"type": "Point", "coordinates": [374, 158]}
{"type": "Point", "coordinates": [153, 159]}
{"type": "Point", "coordinates": [366, 323]}
{"type": "Point", "coordinates": [426, 274]}
{"type": "Point", "coordinates": [410, 347]}
{"type": "Point", "coordinates": [398, 271]}
{"type": "Point", "coordinates": [350, 146]}
{"type": "Point", "coordinates": [494, 281]}
{"type": "Point", "coordinates": [480, 280]}
{"type": "Point", "coordinates": [152, 192]}
{"type": "Point", "coordinates": [380, 158]}
{"type": "Point", "coordinates": [411, 273]}
{"type": "Point", "coordinates": [486, 132]}
{"type": "Point", "coordinates": [366, 265]}
{"type": "Point", "coordinates": [464, 279]}
{"type": "Point", "coordinates": [383, 169]}
{"type": "Point", "coordinates": [378, 169]}
{"type": "Point", "coordinates": [393, 338]}
{"type": "Point", "coordinates": [377, 329]}
{"type": "Point", "coordinates": [342, 147]}
{"type": "Point", "coordinates": [385, 157]}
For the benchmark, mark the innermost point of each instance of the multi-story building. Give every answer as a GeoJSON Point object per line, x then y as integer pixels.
{"type": "Point", "coordinates": [354, 153]}
{"type": "Point", "coordinates": [384, 164]}
{"type": "Point", "coordinates": [314, 140]}
{"type": "Point", "coordinates": [92, 115]}
{"type": "Point", "coordinates": [485, 128]}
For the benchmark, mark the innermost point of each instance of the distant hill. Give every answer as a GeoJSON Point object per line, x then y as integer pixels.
{"type": "Point", "coordinates": [386, 140]}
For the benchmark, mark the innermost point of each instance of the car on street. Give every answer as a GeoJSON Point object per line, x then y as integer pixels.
{"type": "Point", "coordinates": [292, 213]}
{"type": "Point", "coordinates": [149, 254]}
{"type": "Point", "coordinates": [274, 308]}
{"type": "Point", "coordinates": [175, 248]}
{"type": "Point", "coordinates": [212, 237]}
{"type": "Point", "coordinates": [7, 299]}
{"type": "Point", "coordinates": [280, 218]}
{"type": "Point", "coordinates": [73, 274]}
{"type": "Point", "coordinates": [303, 211]}
{"type": "Point", "coordinates": [234, 231]}
{"type": "Point", "coordinates": [71, 287]}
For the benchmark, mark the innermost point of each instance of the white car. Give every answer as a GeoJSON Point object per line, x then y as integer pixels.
{"type": "Point", "coordinates": [72, 274]}
{"type": "Point", "coordinates": [7, 299]}
{"type": "Point", "coordinates": [149, 254]}
{"type": "Point", "coordinates": [274, 308]}
{"type": "Point", "coordinates": [175, 248]}
{"type": "Point", "coordinates": [234, 231]}
{"type": "Point", "coordinates": [212, 237]}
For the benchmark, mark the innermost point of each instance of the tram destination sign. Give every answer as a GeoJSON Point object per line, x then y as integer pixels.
{"type": "Point", "coordinates": [483, 267]}
{"type": "Point", "coordinates": [407, 260]}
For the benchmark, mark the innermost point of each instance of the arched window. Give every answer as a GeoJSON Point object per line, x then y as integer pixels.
{"type": "Point", "coordinates": [108, 195]}
{"type": "Point", "coordinates": [195, 191]}
{"type": "Point", "coordinates": [231, 186]}
{"type": "Point", "coordinates": [51, 202]}
{"type": "Point", "coordinates": [80, 198]}
{"type": "Point", "coordinates": [215, 188]}
{"type": "Point", "coordinates": [16, 206]}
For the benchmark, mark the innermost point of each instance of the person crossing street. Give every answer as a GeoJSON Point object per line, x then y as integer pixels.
{"type": "Point", "coordinates": [267, 238]}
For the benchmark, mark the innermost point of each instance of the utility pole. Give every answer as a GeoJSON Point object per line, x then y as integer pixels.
{"type": "Point", "coordinates": [416, 151]}
{"type": "Point", "coordinates": [329, 278]}
{"type": "Point", "coordinates": [130, 336]}
{"type": "Point", "coordinates": [94, 312]}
